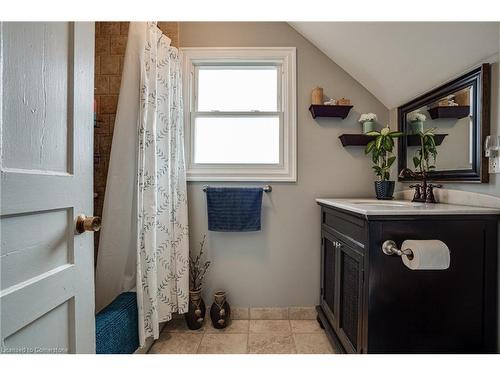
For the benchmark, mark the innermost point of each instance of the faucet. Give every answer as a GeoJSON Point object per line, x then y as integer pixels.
{"type": "Point", "coordinates": [424, 192]}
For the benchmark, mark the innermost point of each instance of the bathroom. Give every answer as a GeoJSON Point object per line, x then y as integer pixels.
{"type": "Point", "coordinates": [313, 180]}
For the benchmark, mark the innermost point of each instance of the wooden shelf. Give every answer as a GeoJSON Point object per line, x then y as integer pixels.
{"type": "Point", "coordinates": [318, 110]}
{"type": "Point", "coordinates": [457, 112]}
{"type": "Point", "coordinates": [355, 139]}
{"type": "Point", "coordinates": [362, 139]}
{"type": "Point", "coordinates": [414, 140]}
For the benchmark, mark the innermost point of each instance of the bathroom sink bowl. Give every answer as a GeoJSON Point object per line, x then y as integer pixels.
{"type": "Point", "coordinates": [370, 202]}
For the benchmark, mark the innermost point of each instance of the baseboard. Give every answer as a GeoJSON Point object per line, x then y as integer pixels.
{"type": "Point", "coordinates": [268, 313]}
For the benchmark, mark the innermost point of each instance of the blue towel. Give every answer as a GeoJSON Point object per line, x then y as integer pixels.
{"type": "Point", "coordinates": [234, 209]}
{"type": "Point", "coordinates": [116, 326]}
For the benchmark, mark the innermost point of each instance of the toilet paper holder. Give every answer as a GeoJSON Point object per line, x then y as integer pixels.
{"type": "Point", "coordinates": [389, 247]}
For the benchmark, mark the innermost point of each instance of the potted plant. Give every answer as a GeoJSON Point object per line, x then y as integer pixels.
{"type": "Point", "coordinates": [197, 270]}
{"type": "Point", "coordinates": [381, 150]}
{"type": "Point", "coordinates": [367, 121]}
{"type": "Point", "coordinates": [416, 120]}
{"type": "Point", "coordinates": [425, 157]}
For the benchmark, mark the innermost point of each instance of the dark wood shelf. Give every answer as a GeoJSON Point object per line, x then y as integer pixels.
{"type": "Point", "coordinates": [318, 110]}
{"type": "Point", "coordinates": [363, 139]}
{"type": "Point", "coordinates": [457, 112]}
{"type": "Point", "coordinates": [414, 140]}
{"type": "Point", "coordinates": [355, 139]}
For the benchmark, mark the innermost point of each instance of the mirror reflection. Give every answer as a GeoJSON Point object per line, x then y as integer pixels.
{"type": "Point", "coordinates": [451, 119]}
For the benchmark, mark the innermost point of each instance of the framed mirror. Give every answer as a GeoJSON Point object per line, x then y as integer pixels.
{"type": "Point", "coordinates": [459, 113]}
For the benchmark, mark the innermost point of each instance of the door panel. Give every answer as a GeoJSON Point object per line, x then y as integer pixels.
{"type": "Point", "coordinates": [47, 289]}
{"type": "Point", "coordinates": [328, 282]}
{"type": "Point", "coordinates": [350, 298]}
{"type": "Point", "coordinates": [38, 107]}
{"type": "Point", "coordinates": [41, 335]}
{"type": "Point", "coordinates": [45, 244]}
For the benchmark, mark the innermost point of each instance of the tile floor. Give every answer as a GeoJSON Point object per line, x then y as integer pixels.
{"type": "Point", "coordinates": [244, 337]}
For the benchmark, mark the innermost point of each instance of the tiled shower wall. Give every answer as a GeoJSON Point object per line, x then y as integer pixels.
{"type": "Point", "coordinates": [110, 43]}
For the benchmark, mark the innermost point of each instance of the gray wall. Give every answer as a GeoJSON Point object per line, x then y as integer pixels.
{"type": "Point", "coordinates": [280, 265]}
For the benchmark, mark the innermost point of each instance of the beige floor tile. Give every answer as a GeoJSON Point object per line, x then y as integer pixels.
{"type": "Point", "coordinates": [271, 343]}
{"type": "Point", "coordinates": [305, 326]}
{"type": "Point", "coordinates": [176, 343]}
{"type": "Point", "coordinates": [223, 343]}
{"type": "Point", "coordinates": [179, 325]}
{"type": "Point", "coordinates": [235, 326]}
{"type": "Point", "coordinates": [312, 343]}
{"type": "Point", "coordinates": [270, 326]}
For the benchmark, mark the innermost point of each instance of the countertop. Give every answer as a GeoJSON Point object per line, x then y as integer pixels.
{"type": "Point", "coordinates": [374, 207]}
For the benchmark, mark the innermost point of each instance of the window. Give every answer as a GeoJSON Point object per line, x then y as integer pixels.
{"type": "Point", "coordinates": [240, 114]}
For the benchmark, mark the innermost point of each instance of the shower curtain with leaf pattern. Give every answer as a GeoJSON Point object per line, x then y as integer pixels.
{"type": "Point", "coordinates": [162, 243]}
{"type": "Point", "coordinates": [144, 237]}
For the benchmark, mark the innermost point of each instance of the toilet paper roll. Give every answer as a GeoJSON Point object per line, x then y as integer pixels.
{"type": "Point", "coordinates": [427, 255]}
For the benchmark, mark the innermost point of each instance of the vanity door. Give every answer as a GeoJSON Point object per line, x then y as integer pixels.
{"type": "Point", "coordinates": [350, 296]}
{"type": "Point", "coordinates": [328, 298]}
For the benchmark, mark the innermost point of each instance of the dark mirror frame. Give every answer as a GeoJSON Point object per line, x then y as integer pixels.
{"type": "Point", "coordinates": [479, 79]}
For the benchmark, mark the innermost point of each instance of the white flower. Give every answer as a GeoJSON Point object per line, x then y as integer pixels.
{"type": "Point", "coordinates": [416, 116]}
{"type": "Point", "coordinates": [367, 117]}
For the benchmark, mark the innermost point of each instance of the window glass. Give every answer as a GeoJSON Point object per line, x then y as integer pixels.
{"type": "Point", "coordinates": [236, 140]}
{"type": "Point", "coordinates": [238, 89]}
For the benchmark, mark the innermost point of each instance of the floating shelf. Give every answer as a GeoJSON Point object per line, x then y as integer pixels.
{"type": "Point", "coordinates": [457, 112]}
{"type": "Point", "coordinates": [355, 139]}
{"type": "Point", "coordinates": [414, 140]}
{"type": "Point", "coordinates": [362, 139]}
{"type": "Point", "coordinates": [318, 110]}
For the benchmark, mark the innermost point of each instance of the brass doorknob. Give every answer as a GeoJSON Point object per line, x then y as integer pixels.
{"type": "Point", "coordinates": [88, 223]}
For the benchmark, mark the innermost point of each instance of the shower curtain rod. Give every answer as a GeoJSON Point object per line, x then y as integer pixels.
{"type": "Point", "coordinates": [265, 188]}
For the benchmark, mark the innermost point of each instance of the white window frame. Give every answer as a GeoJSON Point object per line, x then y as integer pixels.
{"type": "Point", "coordinates": [285, 59]}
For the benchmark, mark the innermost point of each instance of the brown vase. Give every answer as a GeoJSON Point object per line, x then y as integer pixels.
{"type": "Point", "coordinates": [220, 312]}
{"type": "Point", "coordinates": [196, 312]}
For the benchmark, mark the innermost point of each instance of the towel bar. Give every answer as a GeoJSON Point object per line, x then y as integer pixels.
{"type": "Point", "coordinates": [265, 188]}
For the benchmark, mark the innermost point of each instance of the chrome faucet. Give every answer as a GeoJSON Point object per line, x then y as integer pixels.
{"type": "Point", "coordinates": [424, 192]}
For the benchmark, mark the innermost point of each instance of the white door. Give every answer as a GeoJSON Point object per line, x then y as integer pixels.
{"type": "Point", "coordinates": [46, 270]}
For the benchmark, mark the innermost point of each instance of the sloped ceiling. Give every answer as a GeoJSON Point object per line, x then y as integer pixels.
{"type": "Point", "coordinates": [398, 61]}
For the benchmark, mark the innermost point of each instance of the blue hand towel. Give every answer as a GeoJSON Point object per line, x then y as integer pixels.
{"type": "Point", "coordinates": [234, 209]}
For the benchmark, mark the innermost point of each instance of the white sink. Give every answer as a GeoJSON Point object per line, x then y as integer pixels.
{"type": "Point", "coordinates": [370, 202]}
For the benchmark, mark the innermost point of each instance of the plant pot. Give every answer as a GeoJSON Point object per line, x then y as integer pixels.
{"type": "Point", "coordinates": [368, 126]}
{"type": "Point", "coordinates": [416, 127]}
{"type": "Point", "coordinates": [197, 309]}
{"type": "Point", "coordinates": [384, 189]}
{"type": "Point", "coordinates": [220, 312]}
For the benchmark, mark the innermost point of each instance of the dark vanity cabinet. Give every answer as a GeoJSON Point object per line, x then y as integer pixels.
{"type": "Point", "coordinates": [372, 303]}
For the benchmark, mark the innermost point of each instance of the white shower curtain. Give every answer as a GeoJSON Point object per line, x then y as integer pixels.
{"type": "Point", "coordinates": [144, 240]}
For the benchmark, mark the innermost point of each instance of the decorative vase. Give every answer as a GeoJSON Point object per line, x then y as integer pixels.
{"type": "Point", "coordinates": [416, 127]}
{"type": "Point", "coordinates": [196, 312]}
{"type": "Point", "coordinates": [220, 312]}
{"type": "Point", "coordinates": [368, 126]}
{"type": "Point", "coordinates": [384, 189]}
{"type": "Point", "coordinates": [317, 96]}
